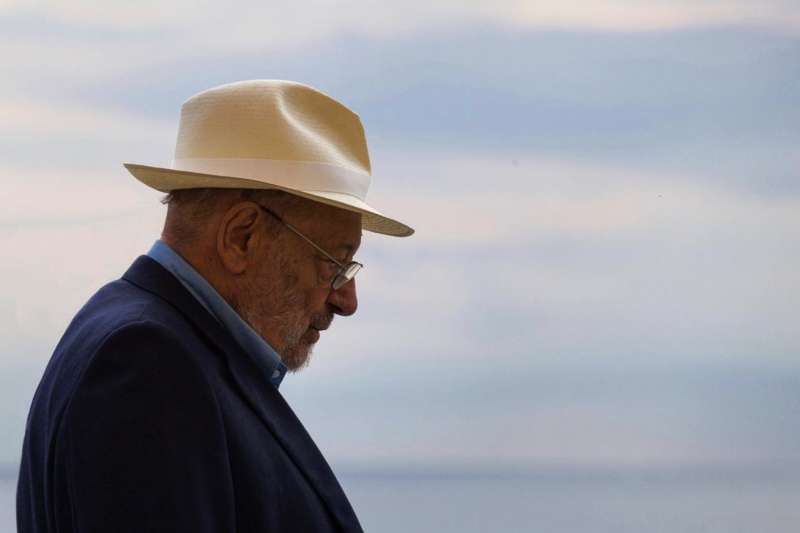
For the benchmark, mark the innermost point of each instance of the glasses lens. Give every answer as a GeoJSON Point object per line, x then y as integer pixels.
{"type": "Point", "coordinates": [347, 273]}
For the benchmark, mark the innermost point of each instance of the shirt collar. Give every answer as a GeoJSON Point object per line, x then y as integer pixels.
{"type": "Point", "coordinates": [252, 343]}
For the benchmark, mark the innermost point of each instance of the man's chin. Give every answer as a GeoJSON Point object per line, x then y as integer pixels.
{"type": "Point", "coordinates": [297, 356]}
{"type": "Point", "coordinates": [298, 359]}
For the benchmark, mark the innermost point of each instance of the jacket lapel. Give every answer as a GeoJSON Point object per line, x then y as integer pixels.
{"type": "Point", "coordinates": [262, 395]}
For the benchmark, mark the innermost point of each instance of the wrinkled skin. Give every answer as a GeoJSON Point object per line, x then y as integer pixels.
{"type": "Point", "coordinates": [276, 281]}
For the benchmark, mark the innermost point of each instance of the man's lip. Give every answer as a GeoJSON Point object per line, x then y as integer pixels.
{"type": "Point", "coordinates": [322, 326]}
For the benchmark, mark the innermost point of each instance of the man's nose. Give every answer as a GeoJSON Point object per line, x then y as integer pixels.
{"type": "Point", "coordinates": [344, 299]}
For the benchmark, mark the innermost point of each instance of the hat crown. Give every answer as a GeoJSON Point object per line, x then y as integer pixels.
{"type": "Point", "coordinates": [273, 120]}
{"type": "Point", "coordinates": [272, 134]}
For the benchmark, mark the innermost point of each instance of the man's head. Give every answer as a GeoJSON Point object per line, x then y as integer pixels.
{"type": "Point", "coordinates": [273, 136]}
{"type": "Point", "coordinates": [274, 279]}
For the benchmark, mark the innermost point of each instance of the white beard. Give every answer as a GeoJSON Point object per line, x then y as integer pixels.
{"type": "Point", "coordinates": [282, 309]}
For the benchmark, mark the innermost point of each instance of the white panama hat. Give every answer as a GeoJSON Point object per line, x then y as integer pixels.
{"type": "Point", "coordinates": [272, 134]}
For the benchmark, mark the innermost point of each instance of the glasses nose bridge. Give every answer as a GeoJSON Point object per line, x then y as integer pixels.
{"type": "Point", "coordinates": [346, 274]}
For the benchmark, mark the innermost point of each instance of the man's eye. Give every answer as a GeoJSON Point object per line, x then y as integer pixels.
{"type": "Point", "coordinates": [329, 267]}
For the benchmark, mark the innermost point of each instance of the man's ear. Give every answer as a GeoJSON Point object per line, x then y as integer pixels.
{"type": "Point", "coordinates": [238, 236]}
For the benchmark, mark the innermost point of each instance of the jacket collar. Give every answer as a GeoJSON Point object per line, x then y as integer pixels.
{"type": "Point", "coordinates": [271, 407]}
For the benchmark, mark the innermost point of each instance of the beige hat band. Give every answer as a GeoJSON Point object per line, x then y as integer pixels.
{"type": "Point", "coordinates": [303, 175]}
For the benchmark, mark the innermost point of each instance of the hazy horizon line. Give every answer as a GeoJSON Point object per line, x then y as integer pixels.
{"type": "Point", "coordinates": [699, 472]}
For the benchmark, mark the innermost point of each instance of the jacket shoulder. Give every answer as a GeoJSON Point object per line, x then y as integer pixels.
{"type": "Point", "coordinates": [117, 311]}
{"type": "Point", "coordinates": [116, 304]}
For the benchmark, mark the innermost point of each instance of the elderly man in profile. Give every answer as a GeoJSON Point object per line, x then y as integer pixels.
{"type": "Point", "coordinates": [159, 409]}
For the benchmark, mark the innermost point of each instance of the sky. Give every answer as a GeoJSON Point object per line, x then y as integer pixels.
{"type": "Point", "coordinates": [606, 201]}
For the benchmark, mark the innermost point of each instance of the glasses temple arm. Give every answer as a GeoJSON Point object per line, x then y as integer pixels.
{"type": "Point", "coordinates": [309, 241]}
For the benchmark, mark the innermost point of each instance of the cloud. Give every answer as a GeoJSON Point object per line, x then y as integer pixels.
{"type": "Point", "coordinates": [561, 345]}
{"type": "Point", "coordinates": [253, 22]}
{"type": "Point", "coordinates": [594, 210]}
{"type": "Point", "coordinates": [656, 15]}
{"type": "Point", "coordinates": [675, 101]}
{"type": "Point", "coordinates": [76, 140]}
{"type": "Point", "coordinates": [493, 200]}
{"type": "Point", "coordinates": [29, 118]}
{"type": "Point", "coordinates": [560, 261]}
{"type": "Point", "coordinates": [493, 414]}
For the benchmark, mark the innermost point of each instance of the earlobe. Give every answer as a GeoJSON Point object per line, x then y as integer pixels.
{"type": "Point", "coordinates": [237, 238]}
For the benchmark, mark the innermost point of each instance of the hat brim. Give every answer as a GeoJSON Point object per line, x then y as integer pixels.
{"type": "Point", "coordinates": [169, 179]}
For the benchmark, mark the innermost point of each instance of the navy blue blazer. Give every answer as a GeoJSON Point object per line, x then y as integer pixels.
{"type": "Point", "coordinates": [150, 417]}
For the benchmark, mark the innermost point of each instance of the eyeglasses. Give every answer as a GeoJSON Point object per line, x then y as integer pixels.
{"type": "Point", "coordinates": [345, 273]}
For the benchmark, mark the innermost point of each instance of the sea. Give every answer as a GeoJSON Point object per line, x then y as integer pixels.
{"type": "Point", "coordinates": [558, 501]}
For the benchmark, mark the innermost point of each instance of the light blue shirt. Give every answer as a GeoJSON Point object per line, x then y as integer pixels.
{"type": "Point", "coordinates": [252, 343]}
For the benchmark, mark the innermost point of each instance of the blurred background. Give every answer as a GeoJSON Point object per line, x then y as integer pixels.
{"type": "Point", "coordinates": [595, 326]}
